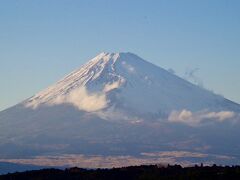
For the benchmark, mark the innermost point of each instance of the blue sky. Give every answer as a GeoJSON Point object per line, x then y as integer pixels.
{"type": "Point", "coordinates": [43, 40]}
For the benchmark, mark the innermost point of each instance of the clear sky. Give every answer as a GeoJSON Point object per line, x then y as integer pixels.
{"type": "Point", "coordinates": [43, 40]}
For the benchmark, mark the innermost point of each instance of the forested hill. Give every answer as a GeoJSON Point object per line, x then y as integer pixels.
{"type": "Point", "coordinates": [132, 173]}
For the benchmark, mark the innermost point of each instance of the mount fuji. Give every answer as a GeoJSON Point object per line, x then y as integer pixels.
{"type": "Point", "coordinates": [119, 110]}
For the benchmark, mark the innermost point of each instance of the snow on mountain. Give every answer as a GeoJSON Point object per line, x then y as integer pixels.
{"type": "Point", "coordinates": [124, 83]}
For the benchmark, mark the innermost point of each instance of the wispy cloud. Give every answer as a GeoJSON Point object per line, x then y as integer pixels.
{"type": "Point", "coordinates": [190, 74]}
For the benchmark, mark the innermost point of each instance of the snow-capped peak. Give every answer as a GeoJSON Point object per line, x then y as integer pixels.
{"type": "Point", "coordinates": [129, 84]}
{"type": "Point", "coordinates": [81, 78]}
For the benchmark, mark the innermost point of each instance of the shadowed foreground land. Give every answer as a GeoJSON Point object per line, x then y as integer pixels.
{"type": "Point", "coordinates": [134, 173]}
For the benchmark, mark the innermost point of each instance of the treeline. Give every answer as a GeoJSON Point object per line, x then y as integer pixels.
{"type": "Point", "coordinates": [150, 172]}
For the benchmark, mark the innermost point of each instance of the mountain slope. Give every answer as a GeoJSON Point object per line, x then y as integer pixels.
{"type": "Point", "coordinates": [118, 104]}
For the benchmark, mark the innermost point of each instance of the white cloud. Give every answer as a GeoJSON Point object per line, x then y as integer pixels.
{"type": "Point", "coordinates": [108, 87]}
{"type": "Point", "coordinates": [114, 85]}
{"type": "Point", "coordinates": [221, 116]}
{"type": "Point", "coordinates": [84, 100]}
{"type": "Point", "coordinates": [196, 118]}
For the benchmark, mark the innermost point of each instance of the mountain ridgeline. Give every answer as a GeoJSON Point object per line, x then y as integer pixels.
{"type": "Point", "coordinates": [132, 173]}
